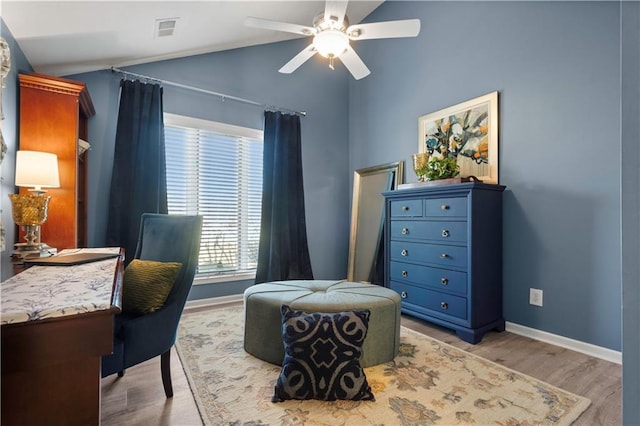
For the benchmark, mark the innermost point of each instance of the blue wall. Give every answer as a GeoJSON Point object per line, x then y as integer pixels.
{"type": "Point", "coordinates": [9, 125]}
{"type": "Point", "coordinates": [557, 69]}
{"type": "Point", "coordinates": [630, 38]}
{"type": "Point", "coordinates": [247, 73]}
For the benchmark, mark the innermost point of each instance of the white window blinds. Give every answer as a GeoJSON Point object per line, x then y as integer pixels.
{"type": "Point", "coordinates": [215, 170]}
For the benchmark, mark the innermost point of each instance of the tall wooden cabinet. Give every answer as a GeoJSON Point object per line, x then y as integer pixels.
{"type": "Point", "coordinates": [53, 115]}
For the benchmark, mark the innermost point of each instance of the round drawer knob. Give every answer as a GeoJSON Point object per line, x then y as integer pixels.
{"type": "Point", "coordinates": [405, 208]}
{"type": "Point", "coordinates": [405, 231]}
{"type": "Point", "coordinates": [404, 252]}
{"type": "Point", "coordinates": [444, 281]}
{"type": "Point", "coordinates": [444, 305]}
{"type": "Point", "coordinates": [405, 274]}
{"type": "Point", "coordinates": [404, 295]}
{"type": "Point", "coordinates": [444, 207]}
{"type": "Point", "coordinates": [444, 256]}
{"type": "Point", "coordinates": [445, 233]}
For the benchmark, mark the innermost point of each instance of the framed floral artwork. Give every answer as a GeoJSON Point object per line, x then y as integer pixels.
{"type": "Point", "coordinates": [468, 132]}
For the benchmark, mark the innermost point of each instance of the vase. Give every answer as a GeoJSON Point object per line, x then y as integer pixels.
{"type": "Point", "coordinates": [420, 160]}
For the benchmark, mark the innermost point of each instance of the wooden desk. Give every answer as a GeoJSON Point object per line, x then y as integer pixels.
{"type": "Point", "coordinates": [57, 322]}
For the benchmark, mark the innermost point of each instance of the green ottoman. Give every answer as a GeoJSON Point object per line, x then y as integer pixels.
{"type": "Point", "coordinates": [263, 323]}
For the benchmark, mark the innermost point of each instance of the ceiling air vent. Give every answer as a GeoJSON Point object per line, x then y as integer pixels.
{"type": "Point", "coordinates": [165, 27]}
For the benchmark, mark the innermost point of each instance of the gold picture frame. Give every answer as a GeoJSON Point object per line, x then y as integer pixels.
{"type": "Point", "coordinates": [467, 131]}
{"type": "Point", "coordinates": [367, 217]}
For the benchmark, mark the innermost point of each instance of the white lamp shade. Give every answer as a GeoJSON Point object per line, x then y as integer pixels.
{"type": "Point", "coordinates": [331, 43]}
{"type": "Point", "coordinates": [37, 169]}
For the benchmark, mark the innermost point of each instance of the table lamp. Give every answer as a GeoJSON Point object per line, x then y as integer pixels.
{"type": "Point", "coordinates": [38, 170]}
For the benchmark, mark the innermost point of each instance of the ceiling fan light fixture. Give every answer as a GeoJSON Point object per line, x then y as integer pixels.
{"type": "Point", "coordinates": [331, 43]}
{"type": "Point", "coordinates": [332, 35]}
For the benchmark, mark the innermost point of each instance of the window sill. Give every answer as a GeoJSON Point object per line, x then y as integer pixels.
{"type": "Point", "coordinates": [214, 279]}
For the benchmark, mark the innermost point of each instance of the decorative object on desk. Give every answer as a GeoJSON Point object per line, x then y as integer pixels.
{"type": "Point", "coordinates": [39, 170]}
{"type": "Point", "coordinates": [429, 382]}
{"type": "Point", "coordinates": [466, 132]}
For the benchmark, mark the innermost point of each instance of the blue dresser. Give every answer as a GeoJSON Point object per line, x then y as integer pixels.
{"type": "Point", "coordinates": [443, 252]}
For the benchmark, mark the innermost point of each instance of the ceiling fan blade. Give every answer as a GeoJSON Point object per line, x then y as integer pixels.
{"type": "Point", "coordinates": [354, 64]}
{"type": "Point", "coordinates": [388, 29]}
{"type": "Point", "coordinates": [279, 26]}
{"type": "Point", "coordinates": [337, 9]}
{"type": "Point", "coordinates": [298, 60]}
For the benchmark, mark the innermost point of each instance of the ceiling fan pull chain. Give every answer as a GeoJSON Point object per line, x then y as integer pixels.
{"type": "Point", "coordinates": [331, 62]}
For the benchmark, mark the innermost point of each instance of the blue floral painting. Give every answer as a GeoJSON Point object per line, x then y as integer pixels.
{"type": "Point", "coordinates": [467, 132]}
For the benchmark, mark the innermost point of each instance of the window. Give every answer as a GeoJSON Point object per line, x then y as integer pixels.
{"type": "Point", "coordinates": [215, 170]}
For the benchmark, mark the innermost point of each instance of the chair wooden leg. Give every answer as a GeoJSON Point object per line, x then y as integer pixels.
{"type": "Point", "coordinates": [165, 367]}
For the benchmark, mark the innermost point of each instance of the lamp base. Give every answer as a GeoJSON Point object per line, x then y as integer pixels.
{"type": "Point", "coordinates": [25, 250]}
{"type": "Point", "coordinates": [32, 247]}
{"type": "Point", "coordinates": [19, 255]}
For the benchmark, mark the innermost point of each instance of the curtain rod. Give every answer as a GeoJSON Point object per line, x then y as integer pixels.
{"type": "Point", "coordinates": [209, 92]}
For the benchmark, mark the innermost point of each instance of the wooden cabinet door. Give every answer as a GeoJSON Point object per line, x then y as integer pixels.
{"type": "Point", "coordinates": [53, 112]}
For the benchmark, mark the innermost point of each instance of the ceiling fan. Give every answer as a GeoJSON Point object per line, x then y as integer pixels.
{"type": "Point", "coordinates": [332, 33]}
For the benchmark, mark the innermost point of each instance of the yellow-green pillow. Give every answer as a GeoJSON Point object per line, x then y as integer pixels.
{"type": "Point", "coordinates": [147, 284]}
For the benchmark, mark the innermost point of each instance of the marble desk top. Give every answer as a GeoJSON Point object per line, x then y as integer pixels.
{"type": "Point", "coordinates": [42, 292]}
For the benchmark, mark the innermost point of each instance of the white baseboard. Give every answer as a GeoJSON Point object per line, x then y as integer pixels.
{"type": "Point", "coordinates": [543, 336]}
{"type": "Point", "coordinates": [565, 342]}
{"type": "Point", "coordinates": [213, 301]}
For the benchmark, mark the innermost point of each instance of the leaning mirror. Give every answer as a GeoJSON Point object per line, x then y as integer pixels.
{"type": "Point", "coordinates": [367, 218]}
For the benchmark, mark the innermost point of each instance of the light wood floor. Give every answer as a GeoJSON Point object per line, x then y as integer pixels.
{"type": "Point", "coordinates": [138, 397]}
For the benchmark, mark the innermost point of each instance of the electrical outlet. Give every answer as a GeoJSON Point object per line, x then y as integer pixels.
{"type": "Point", "coordinates": [535, 296]}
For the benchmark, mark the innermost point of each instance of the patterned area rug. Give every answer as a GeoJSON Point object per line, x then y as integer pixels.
{"type": "Point", "coordinates": [429, 382]}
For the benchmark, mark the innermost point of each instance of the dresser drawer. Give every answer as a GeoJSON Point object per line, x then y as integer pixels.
{"type": "Point", "coordinates": [442, 303]}
{"type": "Point", "coordinates": [429, 277]}
{"type": "Point", "coordinates": [446, 207]}
{"type": "Point", "coordinates": [445, 231]}
{"type": "Point", "coordinates": [406, 208]}
{"type": "Point", "coordinates": [439, 254]}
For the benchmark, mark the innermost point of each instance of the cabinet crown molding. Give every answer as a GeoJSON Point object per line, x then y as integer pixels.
{"type": "Point", "coordinates": [62, 86]}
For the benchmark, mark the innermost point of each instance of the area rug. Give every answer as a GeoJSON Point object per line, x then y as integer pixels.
{"type": "Point", "coordinates": [428, 383]}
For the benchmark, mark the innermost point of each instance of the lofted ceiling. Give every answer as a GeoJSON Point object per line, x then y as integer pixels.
{"type": "Point", "coordinates": [68, 37]}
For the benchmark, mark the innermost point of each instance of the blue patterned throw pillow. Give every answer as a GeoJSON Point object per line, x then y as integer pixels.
{"type": "Point", "coordinates": [322, 356]}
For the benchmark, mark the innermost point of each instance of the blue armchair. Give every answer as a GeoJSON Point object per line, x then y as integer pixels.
{"type": "Point", "coordinates": [137, 338]}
